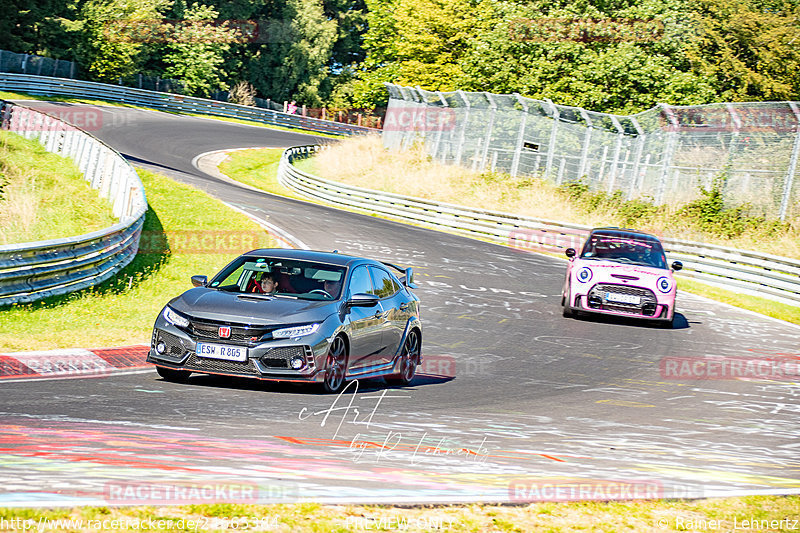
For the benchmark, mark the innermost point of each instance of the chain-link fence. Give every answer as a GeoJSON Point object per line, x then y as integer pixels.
{"type": "Point", "coordinates": [665, 153]}
{"type": "Point", "coordinates": [58, 68]}
{"type": "Point", "coordinates": [37, 65]}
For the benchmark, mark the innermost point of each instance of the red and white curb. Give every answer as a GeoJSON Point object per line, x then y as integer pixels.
{"type": "Point", "coordinates": [73, 363]}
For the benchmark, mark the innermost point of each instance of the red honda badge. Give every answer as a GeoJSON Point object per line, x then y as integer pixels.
{"type": "Point", "coordinates": [224, 332]}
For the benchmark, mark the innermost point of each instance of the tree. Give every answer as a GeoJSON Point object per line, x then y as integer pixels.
{"type": "Point", "coordinates": [749, 49]}
{"type": "Point", "coordinates": [105, 52]}
{"type": "Point", "coordinates": [195, 50]}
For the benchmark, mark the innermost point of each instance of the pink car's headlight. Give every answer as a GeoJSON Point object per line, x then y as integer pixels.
{"type": "Point", "coordinates": [665, 284]}
{"type": "Point", "coordinates": [584, 275]}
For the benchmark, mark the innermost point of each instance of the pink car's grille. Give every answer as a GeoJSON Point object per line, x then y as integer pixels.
{"type": "Point", "coordinates": [646, 305]}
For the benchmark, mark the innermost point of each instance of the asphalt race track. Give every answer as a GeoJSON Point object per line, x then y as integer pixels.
{"type": "Point", "coordinates": [512, 399]}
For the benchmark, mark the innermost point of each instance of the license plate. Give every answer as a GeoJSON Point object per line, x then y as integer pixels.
{"type": "Point", "coordinates": [623, 298]}
{"type": "Point", "coordinates": [221, 351]}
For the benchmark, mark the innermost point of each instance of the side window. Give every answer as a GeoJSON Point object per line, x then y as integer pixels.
{"type": "Point", "coordinates": [385, 286]}
{"type": "Point", "coordinates": [360, 281]}
{"type": "Point", "coordinates": [231, 279]}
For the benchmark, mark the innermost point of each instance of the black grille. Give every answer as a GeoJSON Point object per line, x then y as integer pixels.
{"type": "Point", "coordinates": [173, 344]}
{"type": "Point", "coordinates": [274, 363]}
{"type": "Point", "coordinates": [646, 298]}
{"type": "Point", "coordinates": [625, 289]}
{"type": "Point", "coordinates": [240, 334]}
{"type": "Point", "coordinates": [218, 365]}
{"type": "Point", "coordinates": [279, 357]}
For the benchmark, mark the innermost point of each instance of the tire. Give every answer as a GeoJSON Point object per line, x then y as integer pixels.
{"type": "Point", "coordinates": [174, 376]}
{"type": "Point", "coordinates": [335, 367]}
{"type": "Point", "coordinates": [666, 324]}
{"type": "Point", "coordinates": [409, 359]}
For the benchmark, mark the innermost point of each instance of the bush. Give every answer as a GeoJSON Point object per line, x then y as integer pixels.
{"type": "Point", "coordinates": [242, 93]}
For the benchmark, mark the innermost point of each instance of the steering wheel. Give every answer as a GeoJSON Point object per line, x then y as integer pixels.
{"type": "Point", "coordinates": [322, 292]}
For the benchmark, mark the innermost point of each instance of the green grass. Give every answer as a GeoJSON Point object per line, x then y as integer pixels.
{"type": "Point", "coordinates": [44, 196]}
{"type": "Point", "coordinates": [122, 310]}
{"type": "Point", "coordinates": [789, 313]}
{"type": "Point", "coordinates": [257, 168]}
{"type": "Point", "coordinates": [652, 516]}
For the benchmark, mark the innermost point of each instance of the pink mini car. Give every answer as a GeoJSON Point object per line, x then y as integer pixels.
{"type": "Point", "coordinates": [621, 272]}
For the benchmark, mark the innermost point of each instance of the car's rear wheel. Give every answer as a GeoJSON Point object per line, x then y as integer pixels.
{"type": "Point", "coordinates": [409, 359]}
{"type": "Point", "coordinates": [335, 366]}
{"type": "Point", "coordinates": [170, 374]}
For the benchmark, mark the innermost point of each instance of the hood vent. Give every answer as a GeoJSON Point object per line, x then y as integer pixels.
{"type": "Point", "coordinates": [624, 277]}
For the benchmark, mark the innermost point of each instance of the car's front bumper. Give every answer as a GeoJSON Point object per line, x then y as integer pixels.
{"type": "Point", "coordinates": [651, 306]}
{"type": "Point", "coordinates": [267, 360]}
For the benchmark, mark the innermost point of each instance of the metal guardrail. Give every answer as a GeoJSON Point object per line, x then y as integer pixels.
{"type": "Point", "coordinates": [42, 85]}
{"type": "Point", "coordinates": [767, 276]}
{"type": "Point", "coordinates": [32, 271]}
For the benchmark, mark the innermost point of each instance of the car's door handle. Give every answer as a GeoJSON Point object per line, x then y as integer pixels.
{"type": "Point", "coordinates": [404, 307]}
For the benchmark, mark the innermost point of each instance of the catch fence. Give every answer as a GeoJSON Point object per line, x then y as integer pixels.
{"type": "Point", "coordinates": [664, 154]}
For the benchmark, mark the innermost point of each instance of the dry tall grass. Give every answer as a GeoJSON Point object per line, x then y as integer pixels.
{"type": "Point", "coordinates": [363, 161]}
{"type": "Point", "coordinates": [44, 196]}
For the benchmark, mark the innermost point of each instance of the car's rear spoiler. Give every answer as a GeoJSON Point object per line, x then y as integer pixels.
{"type": "Point", "coordinates": [407, 277]}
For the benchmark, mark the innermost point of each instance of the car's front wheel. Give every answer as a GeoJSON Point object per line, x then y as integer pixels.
{"type": "Point", "coordinates": [409, 359]}
{"type": "Point", "coordinates": [335, 366]}
{"type": "Point", "coordinates": [566, 310]}
{"type": "Point", "coordinates": [176, 376]}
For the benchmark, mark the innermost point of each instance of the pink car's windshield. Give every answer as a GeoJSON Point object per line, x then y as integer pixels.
{"type": "Point", "coordinates": [625, 250]}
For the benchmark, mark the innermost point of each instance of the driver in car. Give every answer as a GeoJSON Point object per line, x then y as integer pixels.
{"type": "Point", "coordinates": [332, 287]}
{"type": "Point", "coordinates": [267, 284]}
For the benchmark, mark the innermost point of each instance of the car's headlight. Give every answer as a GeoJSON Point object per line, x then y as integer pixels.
{"type": "Point", "coordinates": [174, 318]}
{"type": "Point", "coordinates": [665, 284]}
{"type": "Point", "coordinates": [584, 275]}
{"type": "Point", "coordinates": [295, 331]}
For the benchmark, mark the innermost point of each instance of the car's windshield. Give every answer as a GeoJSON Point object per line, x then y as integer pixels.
{"type": "Point", "coordinates": [281, 278]}
{"type": "Point", "coordinates": [625, 249]}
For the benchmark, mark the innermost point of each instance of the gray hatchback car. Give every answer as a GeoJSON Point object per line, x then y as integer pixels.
{"type": "Point", "coordinates": [324, 318]}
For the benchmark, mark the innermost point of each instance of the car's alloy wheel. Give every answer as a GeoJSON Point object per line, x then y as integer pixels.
{"type": "Point", "coordinates": [335, 366]}
{"type": "Point", "coordinates": [409, 359]}
{"type": "Point", "coordinates": [169, 374]}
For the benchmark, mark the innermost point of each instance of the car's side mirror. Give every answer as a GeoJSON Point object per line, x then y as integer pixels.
{"type": "Point", "coordinates": [408, 279]}
{"type": "Point", "coordinates": [677, 265]}
{"type": "Point", "coordinates": [570, 252]}
{"type": "Point", "coordinates": [363, 300]}
{"type": "Point", "coordinates": [199, 281]}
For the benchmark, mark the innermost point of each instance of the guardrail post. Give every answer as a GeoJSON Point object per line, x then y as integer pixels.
{"type": "Point", "coordinates": [552, 144]}
{"type": "Point", "coordinates": [520, 136]}
{"type": "Point", "coordinates": [641, 139]}
{"type": "Point", "coordinates": [463, 136]}
{"type": "Point", "coordinates": [788, 182]}
{"type": "Point", "coordinates": [669, 152]}
{"type": "Point", "coordinates": [586, 142]}
{"type": "Point", "coordinates": [489, 129]}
